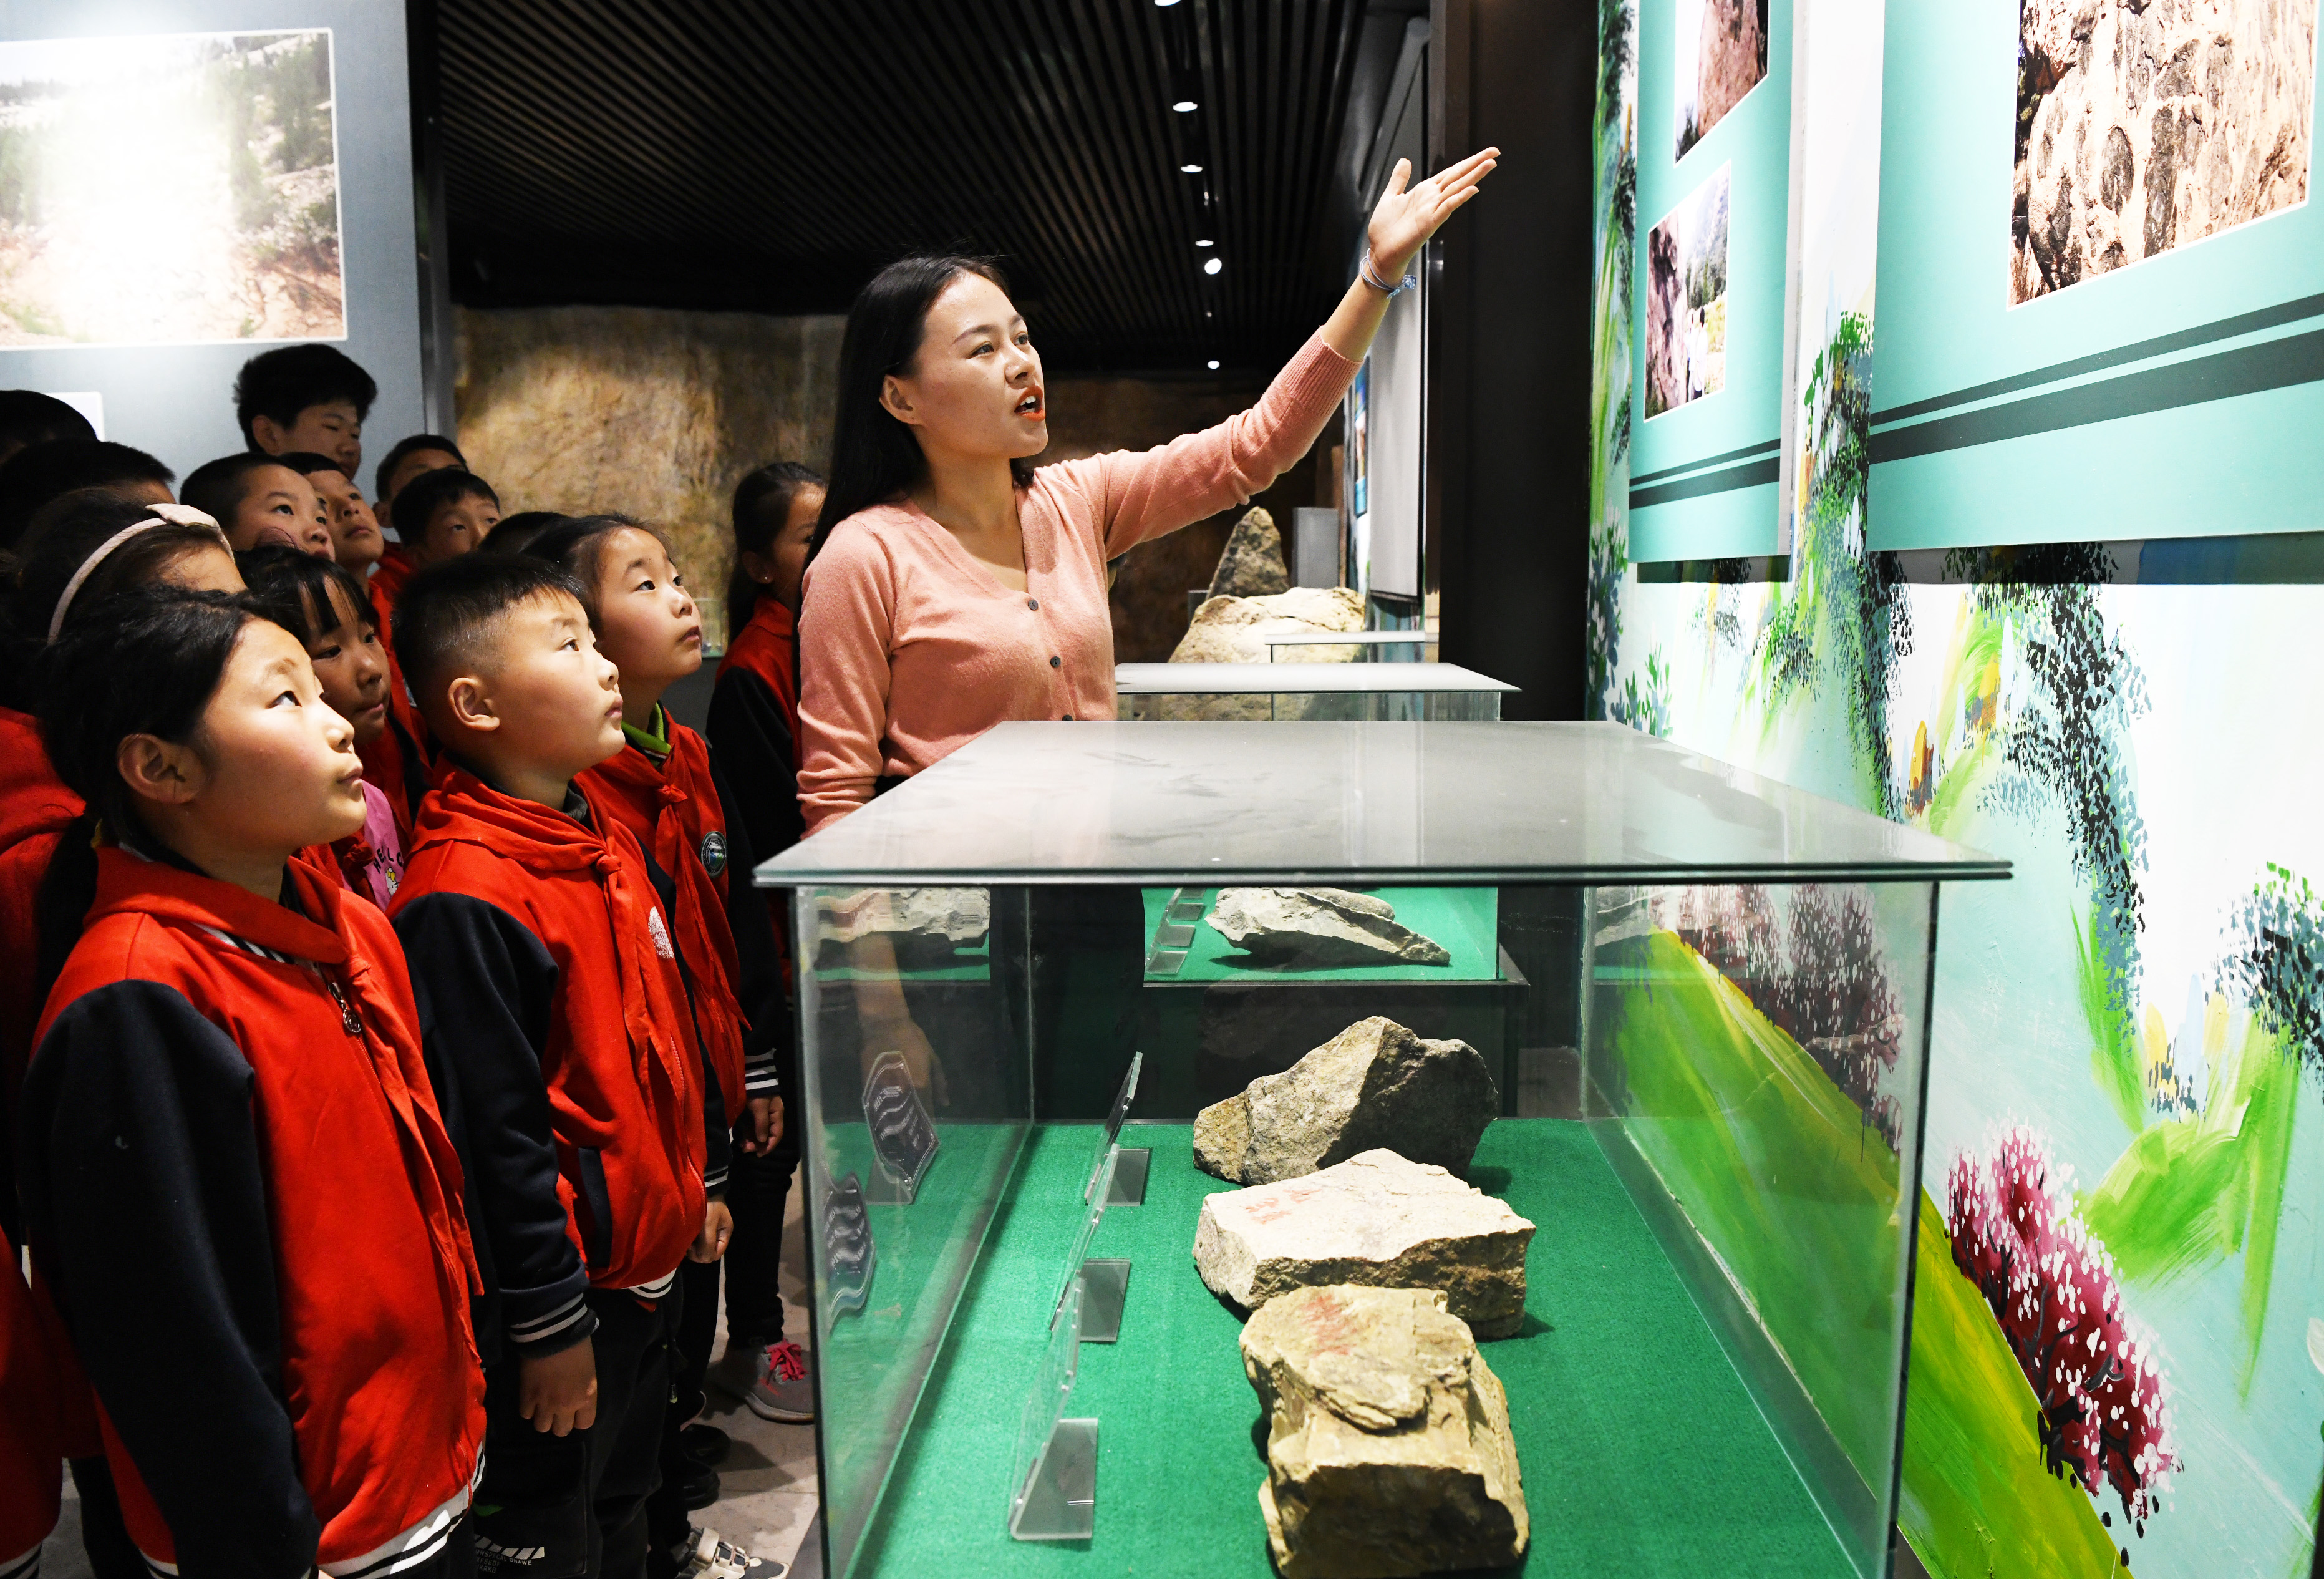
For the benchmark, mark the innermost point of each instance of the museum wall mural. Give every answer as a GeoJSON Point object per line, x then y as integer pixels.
{"type": "Point", "coordinates": [2117, 1341]}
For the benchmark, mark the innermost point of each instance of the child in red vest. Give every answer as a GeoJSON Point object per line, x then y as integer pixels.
{"type": "Point", "coordinates": [664, 785]}
{"type": "Point", "coordinates": [558, 1032]}
{"type": "Point", "coordinates": [229, 1136]}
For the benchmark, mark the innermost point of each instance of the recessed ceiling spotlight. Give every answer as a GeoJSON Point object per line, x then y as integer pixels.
{"type": "Point", "coordinates": [1190, 169]}
{"type": "Point", "coordinates": [1202, 240]}
{"type": "Point", "coordinates": [1211, 266]}
{"type": "Point", "coordinates": [1184, 106]}
{"type": "Point", "coordinates": [1165, 2]}
{"type": "Point", "coordinates": [1213, 364]}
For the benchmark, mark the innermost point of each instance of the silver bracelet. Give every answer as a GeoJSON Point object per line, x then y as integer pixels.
{"type": "Point", "coordinates": [1364, 271]}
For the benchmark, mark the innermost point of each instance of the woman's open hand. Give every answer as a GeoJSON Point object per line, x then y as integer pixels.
{"type": "Point", "coordinates": [1404, 219]}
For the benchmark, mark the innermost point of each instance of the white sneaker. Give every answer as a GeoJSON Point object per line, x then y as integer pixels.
{"type": "Point", "coordinates": [704, 1556]}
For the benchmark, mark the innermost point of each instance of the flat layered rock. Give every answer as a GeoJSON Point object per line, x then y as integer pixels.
{"type": "Point", "coordinates": [1376, 1219]}
{"type": "Point", "coordinates": [1388, 1450]}
{"type": "Point", "coordinates": [923, 922]}
{"type": "Point", "coordinates": [1319, 929]}
{"type": "Point", "coordinates": [1374, 1085]}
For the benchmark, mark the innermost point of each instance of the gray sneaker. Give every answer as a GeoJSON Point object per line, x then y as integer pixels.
{"type": "Point", "coordinates": [772, 1381]}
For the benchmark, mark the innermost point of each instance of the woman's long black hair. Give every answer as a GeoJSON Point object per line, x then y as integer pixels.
{"type": "Point", "coordinates": [145, 661]}
{"type": "Point", "coordinates": [762, 503]}
{"type": "Point", "coordinates": [873, 456]}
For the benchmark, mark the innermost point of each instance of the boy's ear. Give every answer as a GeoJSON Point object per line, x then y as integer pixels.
{"type": "Point", "coordinates": [160, 770]}
{"type": "Point", "coordinates": [269, 434]}
{"type": "Point", "coordinates": [469, 702]}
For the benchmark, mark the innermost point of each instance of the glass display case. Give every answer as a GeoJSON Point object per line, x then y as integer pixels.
{"type": "Point", "coordinates": [1691, 1009]}
{"type": "Point", "coordinates": [1342, 691]}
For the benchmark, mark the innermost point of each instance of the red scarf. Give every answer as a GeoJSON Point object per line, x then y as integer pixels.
{"type": "Point", "coordinates": [35, 809]}
{"type": "Point", "coordinates": [768, 647]}
{"type": "Point", "coordinates": [671, 808]}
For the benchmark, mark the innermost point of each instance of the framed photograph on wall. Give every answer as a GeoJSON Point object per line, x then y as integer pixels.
{"type": "Point", "coordinates": [2101, 280]}
{"type": "Point", "coordinates": [1708, 281]}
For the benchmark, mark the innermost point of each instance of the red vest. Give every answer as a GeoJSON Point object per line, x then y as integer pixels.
{"type": "Point", "coordinates": [374, 1267]}
{"type": "Point", "coordinates": [768, 647]}
{"type": "Point", "coordinates": [671, 808]}
{"type": "Point", "coordinates": [35, 808]}
{"type": "Point", "coordinates": [620, 1064]}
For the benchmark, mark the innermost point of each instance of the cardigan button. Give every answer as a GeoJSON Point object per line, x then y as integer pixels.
{"type": "Point", "coordinates": [1032, 602]}
{"type": "Point", "coordinates": [1056, 663]}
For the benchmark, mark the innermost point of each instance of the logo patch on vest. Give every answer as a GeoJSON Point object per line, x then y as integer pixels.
{"type": "Point", "coordinates": [714, 852]}
{"type": "Point", "coordinates": [660, 934]}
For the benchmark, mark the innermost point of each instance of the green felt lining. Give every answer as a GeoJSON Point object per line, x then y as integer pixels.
{"type": "Point", "coordinates": [1641, 1450]}
{"type": "Point", "coordinates": [1464, 921]}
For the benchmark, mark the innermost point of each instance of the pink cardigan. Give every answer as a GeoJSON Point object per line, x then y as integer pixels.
{"type": "Point", "coordinates": [908, 648]}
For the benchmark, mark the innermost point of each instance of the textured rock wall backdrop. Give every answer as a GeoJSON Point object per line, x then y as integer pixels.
{"type": "Point", "coordinates": [2146, 124]}
{"type": "Point", "coordinates": [2127, 1039]}
{"type": "Point", "coordinates": [658, 414]}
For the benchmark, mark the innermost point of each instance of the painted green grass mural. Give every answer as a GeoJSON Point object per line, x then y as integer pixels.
{"type": "Point", "coordinates": [1777, 1169]}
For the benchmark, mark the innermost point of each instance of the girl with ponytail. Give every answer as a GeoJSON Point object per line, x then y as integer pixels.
{"type": "Point", "coordinates": [229, 1133]}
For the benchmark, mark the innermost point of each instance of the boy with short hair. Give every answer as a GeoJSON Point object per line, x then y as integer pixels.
{"type": "Point", "coordinates": [445, 513]}
{"type": "Point", "coordinates": [260, 500]}
{"type": "Point", "coordinates": [553, 1016]}
{"type": "Point", "coordinates": [411, 456]}
{"type": "Point", "coordinates": [40, 473]}
{"type": "Point", "coordinates": [355, 540]}
{"type": "Point", "coordinates": [309, 397]}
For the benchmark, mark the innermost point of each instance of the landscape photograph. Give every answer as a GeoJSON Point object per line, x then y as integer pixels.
{"type": "Point", "coordinates": [1721, 48]}
{"type": "Point", "coordinates": [1686, 300]}
{"type": "Point", "coordinates": [169, 190]}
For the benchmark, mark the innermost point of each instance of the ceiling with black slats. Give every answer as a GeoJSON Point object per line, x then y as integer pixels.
{"type": "Point", "coordinates": [768, 155]}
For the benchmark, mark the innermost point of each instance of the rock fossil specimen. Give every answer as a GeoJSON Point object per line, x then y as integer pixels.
{"type": "Point", "coordinates": [1373, 1085]}
{"type": "Point", "coordinates": [927, 924]}
{"type": "Point", "coordinates": [1388, 1449]}
{"type": "Point", "coordinates": [1237, 630]}
{"type": "Point", "coordinates": [1377, 1219]}
{"type": "Point", "coordinates": [1253, 564]}
{"type": "Point", "coordinates": [1319, 929]}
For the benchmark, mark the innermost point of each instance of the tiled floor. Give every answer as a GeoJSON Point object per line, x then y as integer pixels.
{"type": "Point", "coordinates": [767, 1485]}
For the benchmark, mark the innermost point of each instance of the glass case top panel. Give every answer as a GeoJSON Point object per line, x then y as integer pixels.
{"type": "Point", "coordinates": [1185, 679]}
{"type": "Point", "coordinates": [1358, 804]}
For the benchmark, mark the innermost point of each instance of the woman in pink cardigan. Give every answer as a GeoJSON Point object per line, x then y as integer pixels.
{"type": "Point", "coordinates": [952, 585]}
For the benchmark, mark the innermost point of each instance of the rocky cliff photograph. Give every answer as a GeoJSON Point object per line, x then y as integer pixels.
{"type": "Point", "coordinates": [1721, 53]}
{"type": "Point", "coordinates": [168, 190]}
{"type": "Point", "coordinates": [1686, 300]}
{"type": "Point", "coordinates": [2145, 124]}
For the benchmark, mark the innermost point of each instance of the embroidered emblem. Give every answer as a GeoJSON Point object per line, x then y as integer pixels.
{"type": "Point", "coordinates": [714, 852]}
{"type": "Point", "coordinates": [660, 934]}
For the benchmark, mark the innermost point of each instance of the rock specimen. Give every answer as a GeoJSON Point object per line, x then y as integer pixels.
{"type": "Point", "coordinates": [1236, 630]}
{"type": "Point", "coordinates": [1374, 1085]}
{"type": "Point", "coordinates": [1252, 566]}
{"type": "Point", "coordinates": [1319, 929]}
{"type": "Point", "coordinates": [925, 922]}
{"type": "Point", "coordinates": [2143, 127]}
{"type": "Point", "coordinates": [1388, 1449]}
{"type": "Point", "coordinates": [1377, 1219]}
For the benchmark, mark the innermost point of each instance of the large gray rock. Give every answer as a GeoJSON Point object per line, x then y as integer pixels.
{"type": "Point", "coordinates": [1388, 1449]}
{"type": "Point", "coordinates": [1377, 1219]}
{"type": "Point", "coordinates": [1237, 630]}
{"type": "Point", "coordinates": [2143, 127]}
{"type": "Point", "coordinates": [1253, 564]}
{"type": "Point", "coordinates": [1319, 929]}
{"type": "Point", "coordinates": [1375, 1084]}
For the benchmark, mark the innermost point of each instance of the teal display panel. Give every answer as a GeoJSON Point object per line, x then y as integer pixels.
{"type": "Point", "coordinates": [2101, 285]}
{"type": "Point", "coordinates": [1706, 285]}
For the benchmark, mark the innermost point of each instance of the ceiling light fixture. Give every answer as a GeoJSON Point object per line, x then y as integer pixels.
{"type": "Point", "coordinates": [1190, 169]}
{"type": "Point", "coordinates": [1202, 240]}
{"type": "Point", "coordinates": [1213, 364]}
{"type": "Point", "coordinates": [1186, 106]}
{"type": "Point", "coordinates": [1211, 266]}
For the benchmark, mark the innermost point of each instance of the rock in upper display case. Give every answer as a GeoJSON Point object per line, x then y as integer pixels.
{"type": "Point", "coordinates": [1559, 1098]}
{"type": "Point", "coordinates": [1274, 692]}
